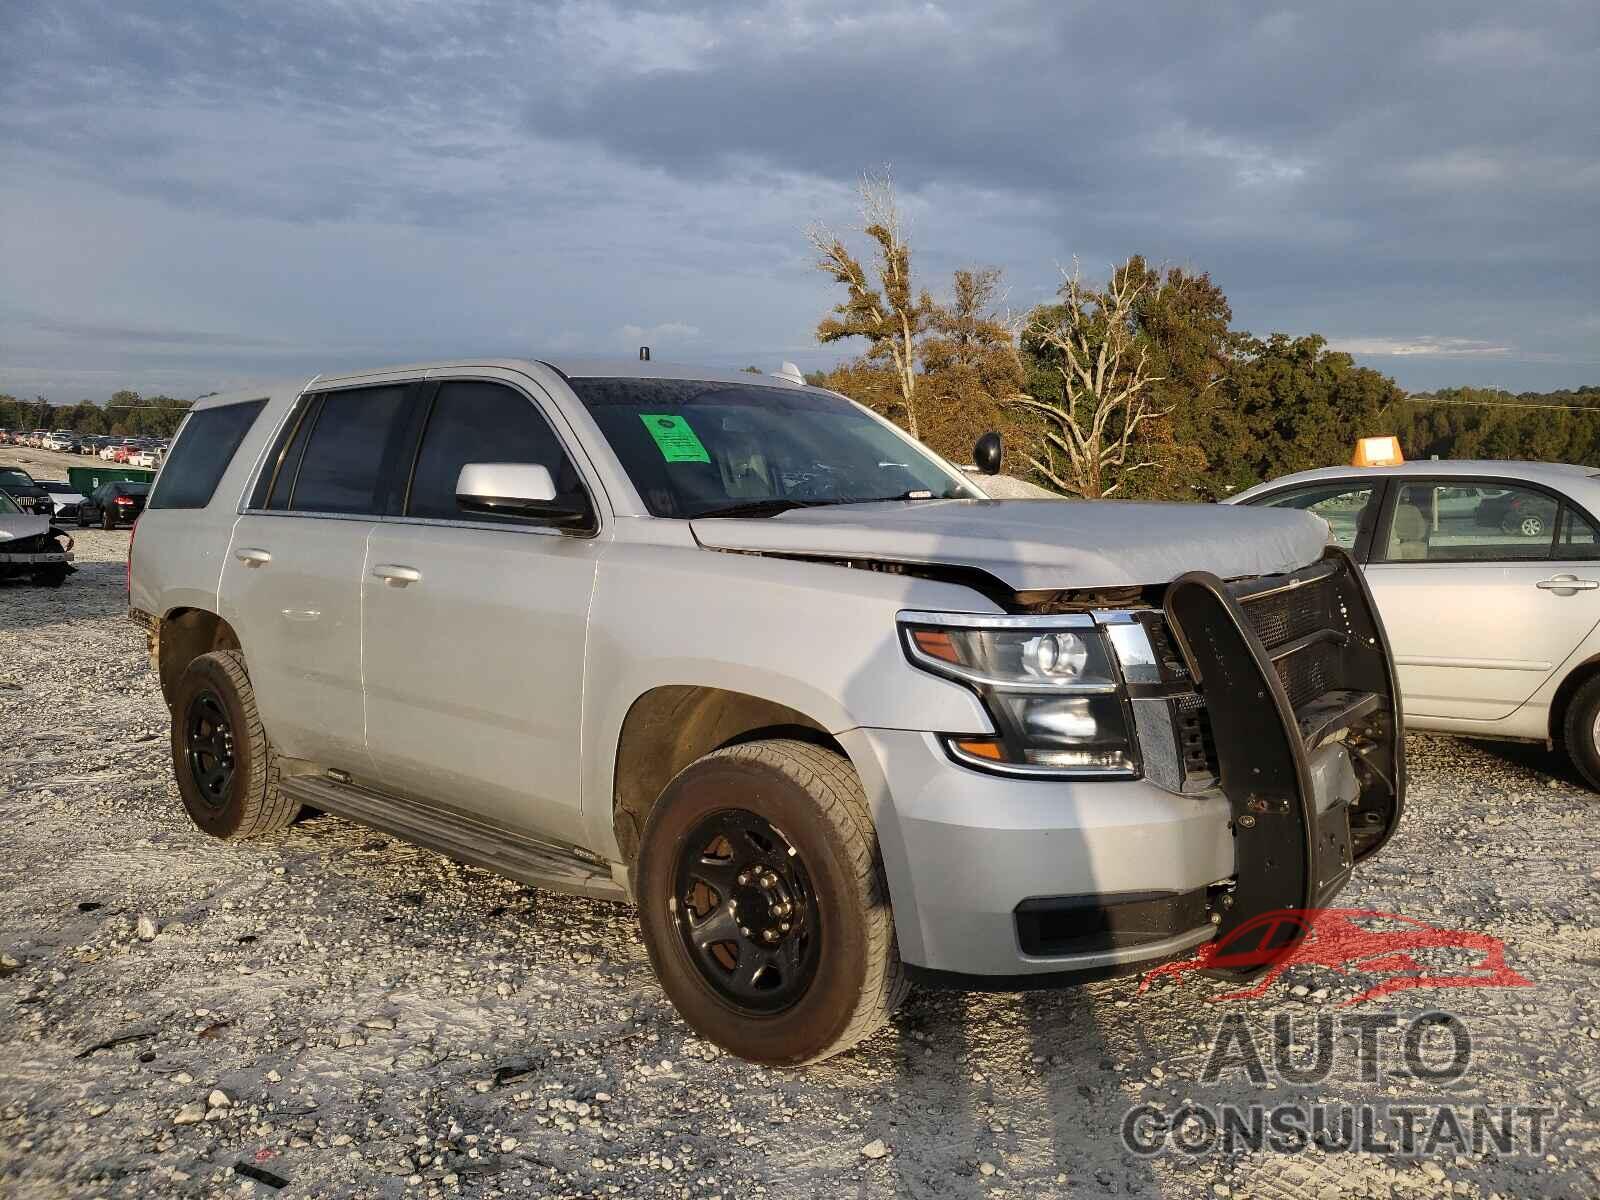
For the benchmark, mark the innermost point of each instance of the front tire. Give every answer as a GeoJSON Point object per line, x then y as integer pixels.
{"type": "Point", "coordinates": [764, 906]}
{"type": "Point", "coordinates": [225, 767]}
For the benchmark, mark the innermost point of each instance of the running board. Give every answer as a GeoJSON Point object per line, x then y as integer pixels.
{"type": "Point", "coordinates": [457, 835]}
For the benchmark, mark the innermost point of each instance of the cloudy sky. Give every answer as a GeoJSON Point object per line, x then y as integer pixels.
{"type": "Point", "coordinates": [194, 195]}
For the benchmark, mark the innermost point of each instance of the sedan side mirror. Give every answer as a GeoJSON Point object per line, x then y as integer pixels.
{"type": "Point", "coordinates": [987, 453]}
{"type": "Point", "coordinates": [515, 490]}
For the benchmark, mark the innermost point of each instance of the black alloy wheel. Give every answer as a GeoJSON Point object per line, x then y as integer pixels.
{"type": "Point", "coordinates": [746, 911]}
{"type": "Point", "coordinates": [208, 747]}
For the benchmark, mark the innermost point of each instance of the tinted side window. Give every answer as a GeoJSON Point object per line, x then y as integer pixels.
{"type": "Point", "coordinates": [342, 466]}
{"type": "Point", "coordinates": [483, 422]}
{"type": "Point", "coordinates": [1339, 504]}
{"type": "Point", "coordinates": [202, 453]}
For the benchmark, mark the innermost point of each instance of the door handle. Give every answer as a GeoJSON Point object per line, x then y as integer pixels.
{"type": "Point", "coordinates": [1566, 585]}
{"type": "Point", "coordinates": [250, 556]}
{"type": "Point", "coordinates": [396, 575]}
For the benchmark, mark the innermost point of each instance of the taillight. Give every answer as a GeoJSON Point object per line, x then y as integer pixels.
{"type": "Point", "coordinates": [124, 500]}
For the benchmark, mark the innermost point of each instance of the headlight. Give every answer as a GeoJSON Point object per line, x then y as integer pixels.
{"type": "Point", "coordinates": [1050, 684]}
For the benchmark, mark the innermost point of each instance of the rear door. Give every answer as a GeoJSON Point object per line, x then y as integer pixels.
{"type": "Point", "coordinates": [291, 584]}
{"type": "Point", "coordinates": [1485, 586]}
{"type": "Point", "coordinates": [475, 625]}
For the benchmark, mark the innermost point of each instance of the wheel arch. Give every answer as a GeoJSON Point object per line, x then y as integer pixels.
{"type": "Point", "coordinates": [1561, 702]}
{"type": "Point", "coordinates": [186, 634]}
{"type": "Point", "coordinates": [670, 726]}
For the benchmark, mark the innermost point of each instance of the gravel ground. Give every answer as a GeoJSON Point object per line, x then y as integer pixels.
{"type": "Point", "coordinates": [351, 1016]}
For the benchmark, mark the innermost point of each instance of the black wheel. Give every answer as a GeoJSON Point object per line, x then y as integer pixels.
{"type": "Point", "coordinates": [83, 521]}
{"type": "Point", "coordinates": [763, 903]}
{"type": "Point", "coordinates": [226, 770]}
{"type": "Point", "coordinates": [108, 519]}
{"type": "Point", "coordinates": [1580, 732]}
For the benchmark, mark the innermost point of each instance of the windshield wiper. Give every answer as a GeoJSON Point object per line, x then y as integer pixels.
{"type": "Point", "coordinates": [769, 507]}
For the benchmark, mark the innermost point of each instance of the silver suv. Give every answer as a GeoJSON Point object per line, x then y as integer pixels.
{"type": "Point", "coordinates": [739, 651]}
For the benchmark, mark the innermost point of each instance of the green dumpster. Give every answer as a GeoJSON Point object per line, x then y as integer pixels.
{"type": "Point", "coordinates": [85, 480]}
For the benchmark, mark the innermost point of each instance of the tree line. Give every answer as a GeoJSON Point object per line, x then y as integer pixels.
{"type": "Point", "coordinates": [128, 414]}
{"type": "Point", "coordinates": [1138, 385]}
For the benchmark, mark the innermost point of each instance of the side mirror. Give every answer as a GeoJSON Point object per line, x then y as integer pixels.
{"type": "Point", "coordinates": [515, 490]}
{"type": "Point", "coordinates": [987, 454]}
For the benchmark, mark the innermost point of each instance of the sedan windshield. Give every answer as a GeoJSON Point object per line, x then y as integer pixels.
{"type": "Point", "coordinates": [14, 478]}
{"type": "Point", "coordinates": [695, 448]}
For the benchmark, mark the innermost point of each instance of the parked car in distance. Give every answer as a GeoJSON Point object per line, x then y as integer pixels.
{"type": "Point", "coordinates": [64, 496]}
{"type": "Point", "coordinates": [30, 545]}
{"type": "Point", "coordinates": [61, 440]}
{"type": "Point", "coordinates": [1487, 576]}
{"type": "Point", "coordinates": [741, 650]}
{"type": "Point", "coordinates": [116, 503]}
{"type": "Point", "coordinates": [25, 490]}
{"type": "Point", "coordinates": [145, 456]}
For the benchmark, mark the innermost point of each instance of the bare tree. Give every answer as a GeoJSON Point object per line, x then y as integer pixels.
{"type": "Point", "coordinates": [889, 315]}
{"type": "Point", "coordinates": [1088, 439]}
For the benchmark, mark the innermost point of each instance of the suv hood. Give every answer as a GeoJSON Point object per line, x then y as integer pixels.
{"type": "Point", "coordinates": [1040, 545]}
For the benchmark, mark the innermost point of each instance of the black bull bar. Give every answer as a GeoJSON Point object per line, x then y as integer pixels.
{"type": "Point", "coordinates": [1300, 689]}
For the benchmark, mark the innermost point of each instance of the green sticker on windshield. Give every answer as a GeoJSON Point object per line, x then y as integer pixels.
{"type": "Point", "coordinates": [675, 439]}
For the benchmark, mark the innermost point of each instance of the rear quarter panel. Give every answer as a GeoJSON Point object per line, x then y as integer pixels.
{"type": "Point", "coordinates": [178, 553]}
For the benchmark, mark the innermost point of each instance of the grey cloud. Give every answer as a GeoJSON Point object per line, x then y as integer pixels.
{"type": "Point", "coordinates": [361, 178]}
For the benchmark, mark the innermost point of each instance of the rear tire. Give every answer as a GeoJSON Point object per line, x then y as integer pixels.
{"type": "Point", "coordinates": [842, 976]}
{"type": "Point", "coordinates": [1580, 732]}
{"type": "Point", "coordinates": [226, 770]}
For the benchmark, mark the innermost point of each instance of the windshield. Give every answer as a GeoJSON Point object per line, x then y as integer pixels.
{"type": "Point", "coordinates": [136, 489]}
{"type": "Point", "coordinates": [695, 448]}
{"type": "Point", "coordinates": [14, 478]}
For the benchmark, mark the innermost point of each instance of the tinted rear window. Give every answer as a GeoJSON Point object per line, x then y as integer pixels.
{"type": "Point", "coordinates": [202, 453]}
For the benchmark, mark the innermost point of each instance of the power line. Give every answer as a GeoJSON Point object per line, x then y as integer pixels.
{"type": "Point", "coordinates": [1505, 404]}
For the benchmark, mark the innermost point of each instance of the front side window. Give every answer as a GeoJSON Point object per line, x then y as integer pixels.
{"type": "Point", "coordinates": [350, 436]}
{"type": "Point", "coordinates": [1436, 521]}
{"type": "Point", "coordinates": [202, 453]}
{"type": "Point", "coordinates": [1340, 503]}
{"type": "Point", "coordinates": [694, 448]}
{"type": "Point", "coordinates": [477, 422]}
{"type": "Point", "coordinates": [8, 506]}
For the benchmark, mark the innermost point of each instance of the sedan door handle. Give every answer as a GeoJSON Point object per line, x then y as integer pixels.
{"type": "Point", "coordinates": [250, 556]}
{"type": "Point", "coordinates": [396, 575]}
{"type": "Point", "coordinates": [1565, 585]}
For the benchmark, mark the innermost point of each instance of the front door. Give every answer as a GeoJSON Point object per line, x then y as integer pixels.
{"type": "Point", "coordinates": [1485, 588]}
{"type": "Point", "coordinates": [475, 625]}
{"type": "Point", "coordinates": [291, 582]}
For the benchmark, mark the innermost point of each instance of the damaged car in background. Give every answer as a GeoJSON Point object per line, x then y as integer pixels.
{"type": "Point", "coordinates": [741, 651]}
{"type": "Point", "coordinates": [31, 546]}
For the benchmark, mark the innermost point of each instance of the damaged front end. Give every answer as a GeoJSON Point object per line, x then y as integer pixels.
{"type": "Point", "coordinates": [46, 555]}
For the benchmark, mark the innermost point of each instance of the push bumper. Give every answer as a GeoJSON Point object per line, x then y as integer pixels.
{"type": "Point", "coordinates": [1027, 882]}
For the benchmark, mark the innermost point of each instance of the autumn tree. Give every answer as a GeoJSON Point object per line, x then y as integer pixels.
{"type": "Point", "coordinates": [882, 309]}
{"type": "Point", "coordinates": [1099, 393]}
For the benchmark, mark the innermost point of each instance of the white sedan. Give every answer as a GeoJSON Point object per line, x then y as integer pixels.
{"type": "Point", "coordinates": [1487, 577]}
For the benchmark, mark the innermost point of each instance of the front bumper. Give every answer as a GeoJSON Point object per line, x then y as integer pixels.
{"type": "Point", "coordinates": [1012, 879]}
{"type": "Point", "coordinates": [972, 859]}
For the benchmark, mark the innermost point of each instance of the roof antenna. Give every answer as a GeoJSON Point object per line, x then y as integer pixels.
{"type": "Point", "coordinates": [644, 353]}
{"type": "Point", "coordinates": [790, 372]}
